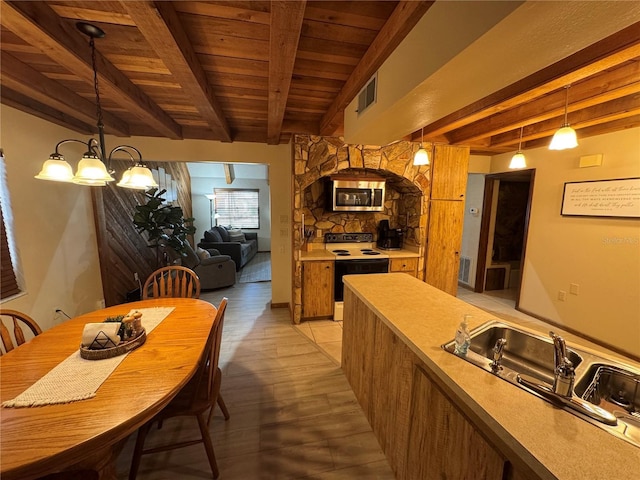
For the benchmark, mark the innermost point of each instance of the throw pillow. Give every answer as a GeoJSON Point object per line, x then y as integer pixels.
{"type": "Point", "coordinates": [236, 235]}
{"type": "Point", "coordinates": [202, 253]}
{"type": "Point", "coordinates": [223, 233]}
{"type": "Point", "coordinates": [212, 236]}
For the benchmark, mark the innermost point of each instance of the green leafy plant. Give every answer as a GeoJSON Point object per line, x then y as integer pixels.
{"type": "Point", "coordinates": [164, 224]}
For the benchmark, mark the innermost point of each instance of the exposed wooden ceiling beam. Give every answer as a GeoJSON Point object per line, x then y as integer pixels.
{"type": "Point", "coordinates": [159, 23]}
{"type": "Point", "coordinates": [609, 52]}
{"type": "Point", "coordinates": [37, 24]}
{"type": "Point", "coordinates": [405, 16]}
{"type": "Point", "coordinates": [29, 105]}
{"type": "Point", "coordinates": [620, 82]}
{"type": "Point", "coordinates": [608, 127]}
{"type": "Point", "coordinates": [596, 114]}
{"type": "Point", "coordinates": [286, 24]}
{"type": "Point", "coordinates": [32, 84]}
{"type": "Point", "coordinates": [92, 15]}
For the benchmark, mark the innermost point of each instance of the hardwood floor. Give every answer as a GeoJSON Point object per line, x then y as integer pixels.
{"type": "Point", "coordinates": [293, 414]}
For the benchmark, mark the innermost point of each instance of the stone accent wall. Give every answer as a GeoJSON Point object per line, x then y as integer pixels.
{"type": "Point", "coordinates": [406, 198]}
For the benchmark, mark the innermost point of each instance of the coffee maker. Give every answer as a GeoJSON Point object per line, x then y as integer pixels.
{"type": "Point", "coordinates": [389, 238]}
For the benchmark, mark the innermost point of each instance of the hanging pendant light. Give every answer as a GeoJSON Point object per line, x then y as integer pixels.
{"type": "Point", "coordinates": [138, 177]}
{"type": "Point", "coordinates": [518, 160]}
{"type": "Point", "coordinates": [94, 167]}
{"type": "Point", "coordinates": [565, 137]}
{"type": "Point", "coordinates": [421, 157]}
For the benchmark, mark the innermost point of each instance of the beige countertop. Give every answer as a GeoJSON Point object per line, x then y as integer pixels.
{"type": "Point", "coordinates": [553, 442]}
{"type": "Point", "coordinates": [322, 254]}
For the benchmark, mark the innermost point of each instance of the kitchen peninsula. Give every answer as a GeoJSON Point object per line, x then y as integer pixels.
{"type": "Point", "coordinates": [437, 416]}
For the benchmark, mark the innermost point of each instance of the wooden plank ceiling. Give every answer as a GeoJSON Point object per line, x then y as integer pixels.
{"type": "Point", "coordinates": [260, 71]}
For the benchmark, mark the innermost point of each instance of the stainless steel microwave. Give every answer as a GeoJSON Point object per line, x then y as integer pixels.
{"type": "Point", "coordinates": [357, 195]}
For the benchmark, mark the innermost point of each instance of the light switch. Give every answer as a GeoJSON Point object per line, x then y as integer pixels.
{"type": "Point", "coordinates": [574, 289]}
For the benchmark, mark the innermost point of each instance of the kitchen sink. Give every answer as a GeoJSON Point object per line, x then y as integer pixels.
{"type": "Point", "coordinates": [606, 393]}
{"type": "Point", "coordinates": [523, 353]}
{"type": "Point", "coordinates": [616, 390]}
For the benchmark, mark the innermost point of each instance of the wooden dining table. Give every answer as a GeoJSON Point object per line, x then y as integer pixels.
{"type": "Point", "coordinates": [88, 434]}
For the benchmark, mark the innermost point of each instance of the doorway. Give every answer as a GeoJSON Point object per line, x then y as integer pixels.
{"type": "Point", "coordinates": [503, 233]}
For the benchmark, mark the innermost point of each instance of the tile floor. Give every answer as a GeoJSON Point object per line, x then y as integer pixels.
{"type": "Point", "coordinates": [327, 334]}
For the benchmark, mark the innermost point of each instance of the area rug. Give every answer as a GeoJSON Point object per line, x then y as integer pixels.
{"type": "Point", "coordinates": [257, 270]}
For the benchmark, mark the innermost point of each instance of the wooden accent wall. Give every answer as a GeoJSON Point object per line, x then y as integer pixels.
{"type": "Point", "coordinates": [122, 250]}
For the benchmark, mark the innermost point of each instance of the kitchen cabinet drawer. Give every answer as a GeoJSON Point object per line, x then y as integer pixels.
{"type": "Point", "coordinates": [407, 265]}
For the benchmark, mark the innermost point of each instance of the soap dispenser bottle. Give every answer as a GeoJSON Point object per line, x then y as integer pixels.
{"type": "Point", "coordinates": [462, 339]}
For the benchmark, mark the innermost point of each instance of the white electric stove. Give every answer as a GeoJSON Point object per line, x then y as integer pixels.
{"type": "Point", "coordinates": [355, 254]}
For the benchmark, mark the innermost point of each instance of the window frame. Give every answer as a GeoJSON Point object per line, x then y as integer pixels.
{"type": "Point", "coordinates": [236, 221]}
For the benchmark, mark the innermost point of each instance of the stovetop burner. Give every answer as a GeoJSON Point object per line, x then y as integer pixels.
{"type": "Point", "coordinates": [355, 246]}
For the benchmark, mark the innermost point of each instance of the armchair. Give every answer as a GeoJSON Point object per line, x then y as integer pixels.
{"type": "Point", "coordinates": [215, 271]}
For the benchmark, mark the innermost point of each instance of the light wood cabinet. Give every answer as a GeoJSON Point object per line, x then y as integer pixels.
{"type": "Point", "coordinates": [446, 215]}
{"type": "Point", "coordinates": [443, 245]}
{"type": "Point", "coordinates": [407, 265]}
{"type": "Point", "coordinates": [317, 289]}
{"type": "Point", "coordinates": [442, 442]}
{"type": "Point", "coordinates": [421, 431]}
{"type": "Point", "coordinates": [449, 171]}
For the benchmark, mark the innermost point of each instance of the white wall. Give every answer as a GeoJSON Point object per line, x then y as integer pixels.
{"type": "Point", "coordinates": [200, 186]}
{"type": "Point", "coordinates": [54, 222]}
{"type": "Point", "coordinates": [450, 58]}
{"type": "Point", "coordinates": [54, 227]}
{"type": "Point", "coordinates": [583, 250]}
{"type": "Point", "coordinates": [472, 222]}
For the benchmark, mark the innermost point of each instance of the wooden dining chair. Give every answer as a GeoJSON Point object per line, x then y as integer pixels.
{"type": "Point", "coordinates": [199, 396]}
{"type": "Point", "coordinates": [172, 281]}
{"type": "Point", "coordinates": [19, 321]}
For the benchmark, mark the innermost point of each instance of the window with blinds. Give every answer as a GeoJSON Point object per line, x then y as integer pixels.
{"type": "Point", "coordinates": [237, 207]}
{"type": "Point", "coordinates": [8, 282]}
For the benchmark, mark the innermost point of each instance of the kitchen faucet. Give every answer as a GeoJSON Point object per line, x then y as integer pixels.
{"type": "Point", "coordinates": [564, 371]}
{"type": "Point", "coordinates": [564, 375]}
{"type": "Point", "coordinates": [498, 351]}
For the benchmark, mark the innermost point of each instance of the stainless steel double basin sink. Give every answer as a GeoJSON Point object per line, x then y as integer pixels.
{"type": "Point", "coordinates": [605, 393]}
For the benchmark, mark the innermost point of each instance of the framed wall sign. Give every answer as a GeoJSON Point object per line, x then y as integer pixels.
{"type": "Point", "coordinates": [602, 198]}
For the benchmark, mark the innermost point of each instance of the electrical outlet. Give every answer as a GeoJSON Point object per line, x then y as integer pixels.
{"type": "Point", "coordinates": [318, 233]}
{"type": "Point", "coordinates": [574, 289]}
{"type": "Point", "coordinates": [562, 295]}
{"type": "Point", "coordinates": [135, 276]}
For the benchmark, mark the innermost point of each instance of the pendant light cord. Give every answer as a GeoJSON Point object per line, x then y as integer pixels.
{"type": "Point", "coordinates": [520, 142]}
{"type": "Point", "coordinates": [96, 88]}
{"type": "Point", "coordinates": [566, 104]}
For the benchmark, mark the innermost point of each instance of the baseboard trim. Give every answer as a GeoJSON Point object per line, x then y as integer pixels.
{"type": "Point", "coordinates": [280, 305]}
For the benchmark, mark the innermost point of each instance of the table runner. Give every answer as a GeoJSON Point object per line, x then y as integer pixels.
{"type": "Point", "coordinates": [76, 378]}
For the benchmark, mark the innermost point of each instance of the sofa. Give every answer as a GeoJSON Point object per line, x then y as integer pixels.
{"type": "Point", "coordinates": [240, 246]}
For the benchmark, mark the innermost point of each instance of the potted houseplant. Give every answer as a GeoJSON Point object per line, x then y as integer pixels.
{"type": "Point", "coordinates": [164, 224]}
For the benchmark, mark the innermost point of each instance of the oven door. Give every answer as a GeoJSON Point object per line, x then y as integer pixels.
{"type": "Point", "coordinates": [356, 267]}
